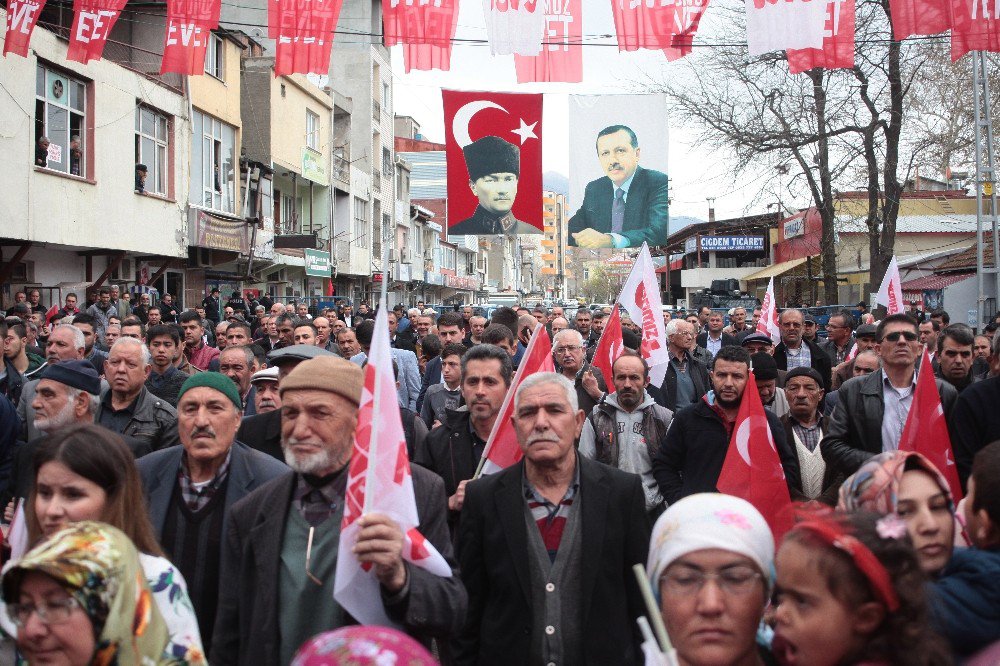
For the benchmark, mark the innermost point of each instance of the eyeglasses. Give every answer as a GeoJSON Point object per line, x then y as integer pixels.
{"type": "Point", "coordinates": [685, 582]}
{"type": "Point", "coordinates": [909, 336]}
{"type": "Point", "coordinates": [568, 349]}
{"type": "Point", "coordinates": [50, 612]}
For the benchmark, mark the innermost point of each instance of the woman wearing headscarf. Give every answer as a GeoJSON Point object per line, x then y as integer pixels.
{"type": "Point", "coordinates": [81, 598]}
{"type": "Point", "coordinates": [711, 562]}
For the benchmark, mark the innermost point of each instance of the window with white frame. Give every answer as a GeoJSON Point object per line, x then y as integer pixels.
{"type": "Point", "coordinates": [215, 57]}
{"type": "Point", "coordinates": [312, 130]}
{"type": "Point", "coordinates": [60, 119]}
{"type": "Point", "coordinates": [360, 222]}
{"type": "Point", "coordinates": [152, 141]}
{"type": "Point", "coordinates": [448, 258]}
{"type": "Point", "coordinates": [213, 163]}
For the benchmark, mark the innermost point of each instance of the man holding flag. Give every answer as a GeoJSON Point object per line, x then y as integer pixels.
{"type": "Point", "coordinates": [691, 456]}
{"type": "Point", "coordinates": [283, 552]}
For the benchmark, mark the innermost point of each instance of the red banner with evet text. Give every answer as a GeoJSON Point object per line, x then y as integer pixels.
{"type": "Point", "coordinates": [561, 58]}
{"type": "Point", "coordinates": [303, 33]}
{"type": "Point", "coordinates": [648, 24]}
{"type": "Point", "coordinates": [22, 16]}
{"type": "Point", "coordinates": [687, 16]}
{"type": "Point", "coordinates": [92, 24]}
{"type": "Point", "coordinates": [189, 27]}
{"type": "Point", "coordinates": [425, 27]}
{"type": "Point", "coordinates": [838, 42]}
{"type": "Point", "coordinates": [974, 27]}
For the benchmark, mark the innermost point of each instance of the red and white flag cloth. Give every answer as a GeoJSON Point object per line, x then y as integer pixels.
{"type": "Point", "coordinates": [768, 322]}
{"type": "Point", "coordinates": [610, 346]}
{"type": "Point", "coordinates": [189, 28]}
{"type": "Point", "coordinates": [561, 57]}
{"type": "Point", "coordinates": [22, 15]}
{"type": "Point", "coordinates": [303, 34]}
{"type": "Point", "coordinates": [926, 430]}
{"type": "Point", "coordinates": [425, 27]}
{"type": "Point", "coordinates": [975, 26]}
{"type": "Point", "coordinates": [687, 17]}
{"type": "Point", "coordinates": [838, 41]}
{"type": "Point", "coordinates": [379, 481]}
{"type": "Point", "coordinates": [515, 26]}
{"type": "Point", "coordinates": [92, 24]}
{"type": "Point", "coordinates": [641, 299]}
{"type": "Point", "coordinates": [669, 25]}
{"type": "Point", "coordinates": [919, 17]}
{"type": "Point", "coordinates": [890, 294]}
{"type": "Point", "coordinates": [752, 468]}
{"type": "Point", "coordinates": [502, 449]}
{"type": "Point", "coordinates": [851, 354]}
{"type": "Point", "coordinates": [776, 25]}
{"type": "Point", "coordinates": [17, 536]}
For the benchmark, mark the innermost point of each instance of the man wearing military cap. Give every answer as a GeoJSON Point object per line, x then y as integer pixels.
{"type": "Point", "coordinates": [494, 168]}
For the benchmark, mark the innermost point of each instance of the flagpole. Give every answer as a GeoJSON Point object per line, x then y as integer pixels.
{"type": "Point", "coordinates": [382, 319]}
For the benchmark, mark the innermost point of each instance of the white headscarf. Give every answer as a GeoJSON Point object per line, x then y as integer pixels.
{"type": "Point", "coordinates": [710, 520]}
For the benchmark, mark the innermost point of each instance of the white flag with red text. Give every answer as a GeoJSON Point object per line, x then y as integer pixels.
{"type": "Point", "coordinates": [502, 449]}
{"type": "Point", "coordinates": [890, 294]}
{"type": "Point", "coordinates": [379, 481]}
{"type": "Point", "coordinates": [641, 299]}
{"type": "Point", "coordinates": [774, 25]}
{"type": "Point", "coordinates": [515, 26]}
{"type": "Point", "coordinates": [17, 536]}
{"type": "Point", "coordinates": [768, 322]}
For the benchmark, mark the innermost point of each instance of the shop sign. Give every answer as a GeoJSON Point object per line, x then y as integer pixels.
{"type": "Point", "coordinates": [219, 233]}
{"type": "Point", "coordinates": [317, 263]}
{"type": "Point", "coordinates": [313, 167]}
{"type": "Point", "coordinates": [732, 243]}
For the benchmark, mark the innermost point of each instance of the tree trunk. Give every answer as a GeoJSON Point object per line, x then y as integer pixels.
{"type": "Point", "coordinates": [825, 201]}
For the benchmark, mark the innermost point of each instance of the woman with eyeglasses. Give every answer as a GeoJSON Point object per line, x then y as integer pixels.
{"type": "Point", "coordinates": [85, 473]}
{"type": "Point", "coordinates": [711, 563]}
{"type": "Point", "coordinates": [80, 598]}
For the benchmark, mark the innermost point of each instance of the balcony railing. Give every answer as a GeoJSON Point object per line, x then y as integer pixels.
{"type": "Point", "coordinates": [341, 169]}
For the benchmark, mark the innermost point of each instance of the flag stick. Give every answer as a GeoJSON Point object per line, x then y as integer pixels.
{"type": "Point", "coordinates": [381, 319]}
{"type": "Point", "coordinates": [653, 612]}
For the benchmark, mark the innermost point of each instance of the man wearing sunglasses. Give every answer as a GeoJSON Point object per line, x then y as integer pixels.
{"type": "Point", "coordinates": [872, 409]}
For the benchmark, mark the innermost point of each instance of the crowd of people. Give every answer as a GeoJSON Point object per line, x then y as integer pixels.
{"type": "Point", "coordinates": [175, 482]}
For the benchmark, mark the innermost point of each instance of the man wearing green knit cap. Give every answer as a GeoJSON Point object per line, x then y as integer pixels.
{"type": "Point", "coordinates": [190, 488]}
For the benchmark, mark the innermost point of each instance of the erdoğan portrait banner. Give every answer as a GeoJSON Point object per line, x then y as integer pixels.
{"type": "Point", "coordinates": [493, 144]}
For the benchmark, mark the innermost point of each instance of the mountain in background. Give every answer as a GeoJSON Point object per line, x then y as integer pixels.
{"type": "Point", "coordinates": [680, 221]}
{"type": "Point", "coordinates": [553, 181]}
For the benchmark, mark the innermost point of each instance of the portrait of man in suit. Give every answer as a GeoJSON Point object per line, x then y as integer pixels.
{"type": "Point", "coordinates": [626, 206]}
{"type": "Point", "coordinates": [494, 167]}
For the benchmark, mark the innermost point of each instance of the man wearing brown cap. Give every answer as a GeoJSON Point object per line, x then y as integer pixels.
{"type": "Point", "coordinates": [494, 168]}
{"type": "Point", "coordinates": [281, 551]}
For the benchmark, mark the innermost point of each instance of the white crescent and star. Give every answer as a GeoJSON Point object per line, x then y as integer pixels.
{"type": "Point", "coordinates": [460, 123]}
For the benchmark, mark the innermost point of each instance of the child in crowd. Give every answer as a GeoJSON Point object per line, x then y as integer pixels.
{"type": "Point", "coordinates": [850, 590]}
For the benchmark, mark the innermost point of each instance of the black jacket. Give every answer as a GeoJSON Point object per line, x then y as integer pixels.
{"type": "Point", "coordinates": [818, 359]}
{"type": "Point", "coordinates": [645, 208]}
{"type": "Point", "coordinates": [975, 422]}
{"type": "Point", "coordinates": [263, 432]}
{"type": "Point", "coordinates": [493, 559]}
{"type": "Point", "coordinates": [854, 430]}
{"type": "Point", "coordinates": [831, 478]}
{"type": "Point", "coordinates": [13, 383]}
{"type": "Point", "coordinates": [451, 452]}
{"type": "Point", "coordinates": [432, 375]}
{"type": "Point", "coordinates": [667, 395]}
{"type": "Point", "coordinates": [690, 458]}
{"type": "Point", "coordinates": [727, 340]}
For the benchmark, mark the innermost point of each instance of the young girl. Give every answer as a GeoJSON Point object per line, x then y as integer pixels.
{"type": "Point", "coordinates": [850, 592]}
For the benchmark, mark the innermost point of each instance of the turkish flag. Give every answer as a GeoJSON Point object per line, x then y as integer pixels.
{"type": "Point", "coordinates": [379, 481]}
{"type": "Point", "coordinates": [610, 346]}
{"type": "Point", "coordinates": [189, 27]}
{"type": "Point", "coordinates": [502, 449]}
{"type": "Point", "coordinates": [487, 135]}
{"type": "Point", "coordinates": [926, 431]}
{"type": "Point", "coordinates": [561, 58]}
{"type": "Point", "coordinates": [22, 15]}
{"type": "Point", "coordinates": [428, 26]}
{"type": "Point", "coordinates": [641, 299]}
{"type": "Point", "coordinates": [838, 42]}
{"type": "Point", "coordinates": [919, 17]}
{"type": "Point", "coordinates": [768, 322]}
{"type": "Point", "coordinates": [974, 27]}
{"type": "Point", "coordinates": [669, 26]}
{"type": "Point", "coordinates": [752, 469]}
{"type": "Point", "coordinates": [92, 24]}
{"type": "Point", "coordinates": [303, 35]}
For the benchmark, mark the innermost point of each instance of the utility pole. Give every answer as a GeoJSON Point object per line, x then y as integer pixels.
{"type": "Point", "coordinates": [985, 183]}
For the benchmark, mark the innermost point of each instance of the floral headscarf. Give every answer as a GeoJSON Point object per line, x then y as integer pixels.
{"type": "Point", "coordinates": [875, 486]}
{"type": "Point", "coordinates": [99, 566]}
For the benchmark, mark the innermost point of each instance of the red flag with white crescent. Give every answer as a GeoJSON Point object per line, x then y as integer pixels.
{"type": "Point", "coordinates": [502, 449]}
{"type": "Point", "coordinates": [561, 57]}
{"type": "Point", "coordinates": [752, 469]}
{"type": "Point", "coordinates": [379, 481]}
{"type": "Point", "coordinates": [926, 430]}
{"type": "Point", "coordinates": [92, 24]}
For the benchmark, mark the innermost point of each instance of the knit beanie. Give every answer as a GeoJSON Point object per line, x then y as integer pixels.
{"type": "Point", "coordinates": [326, 373]}
{"type": "Point", "coordinates": [213, 380]}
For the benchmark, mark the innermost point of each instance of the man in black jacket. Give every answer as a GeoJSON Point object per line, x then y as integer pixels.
{"type": "Point", "coordinates": [794, 351]}
{"type": "Point", "coordinates": [686, 380]}
{"type": "Point", "coordinates": [713, 339]}
{"type": "Point", "coordinates": [872, 410]}
{"type": "Point", "coordinates": [691, 455]}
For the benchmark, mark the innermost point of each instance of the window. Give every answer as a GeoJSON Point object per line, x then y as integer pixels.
{"type": "Point", "coordinates": [448, 258]}
{"type": "Point", "coordinates": [312, 130]}
{"type": "Point", "coordinates": [152, 137]}
{"type": "Point", "coordinates": [385, 94]}
{"type": "Point", "coordinates": [215, 57]}
{"type": "Point", "coordinates": [387, 162]}
{"type": "Point", "coordinates": [360, 222]}
{"type": "Point", "coordinates": [60, 111]}
{"type": "Point", "coordinates": [213, 163]}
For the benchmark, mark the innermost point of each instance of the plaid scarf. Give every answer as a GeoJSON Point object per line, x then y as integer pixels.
{"type": "Point", "coordinates": [197, 497]}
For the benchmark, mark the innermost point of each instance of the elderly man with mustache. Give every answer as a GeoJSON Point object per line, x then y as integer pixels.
{"type": "Point", "coordinates": [190, 489]}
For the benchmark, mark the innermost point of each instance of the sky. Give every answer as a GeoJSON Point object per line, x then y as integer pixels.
{"type": "Point", "coordinates": [696, 172]}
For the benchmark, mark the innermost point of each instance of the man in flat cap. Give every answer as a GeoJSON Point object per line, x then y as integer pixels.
{"type": "Point", "coordinates": [281, 551]}
{"type": "Point", "coordinates": [494, 166]}
{"type": "Point", "coordinates": [190, 489]}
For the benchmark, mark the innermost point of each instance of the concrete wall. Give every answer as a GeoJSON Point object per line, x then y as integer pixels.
{"type": "Point", "coordinates": [220, 98]}
{"type": "Point", "coordinates": [288, 133]}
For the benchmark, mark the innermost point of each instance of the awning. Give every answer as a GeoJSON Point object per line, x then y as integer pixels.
{"type": "Point", "coordinates": [930, 282]}
{"type": "Point", "coordinates": [775, 270]}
